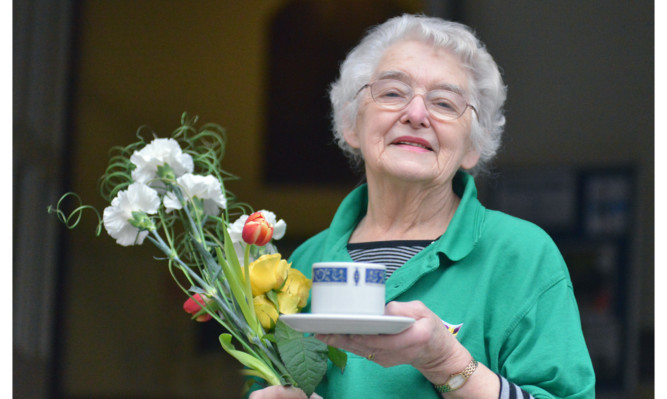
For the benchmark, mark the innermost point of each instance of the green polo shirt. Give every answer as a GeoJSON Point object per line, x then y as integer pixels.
{"type": "Point", "coordinates": [502, 278]}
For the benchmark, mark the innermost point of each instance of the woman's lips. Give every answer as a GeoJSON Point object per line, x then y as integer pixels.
{"type": "Point", "coordinates": [415, 142]}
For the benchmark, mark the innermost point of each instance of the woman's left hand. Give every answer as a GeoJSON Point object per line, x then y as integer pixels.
{"type": "Point", "coordinates": [427, 344]}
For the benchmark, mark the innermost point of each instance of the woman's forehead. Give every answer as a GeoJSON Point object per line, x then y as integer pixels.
{"type": "Point", "coordinates": [405, 78]}
{"type": "Point", "coordinates": [415, 62]}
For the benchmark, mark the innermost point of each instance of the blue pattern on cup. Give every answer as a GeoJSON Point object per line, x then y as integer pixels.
{"type": "Point", "coordinates": [356, 276]}
{"type": "Point", "coordinates": [329, 275]}
{"type": "Point", "coordinates": [375, 276]}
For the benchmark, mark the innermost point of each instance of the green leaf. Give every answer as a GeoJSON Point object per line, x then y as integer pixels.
{"type": "Point", "coordinates": [236, 285]}
{"type": "Point", "coordinates": [230, 254]}
{"type": "Point", "coordinates": [272, 296]}
{"type": "Point", "coordinates": [305, 357]}
{"type": "Point", "coordinates": [261, 368]}
{"type": "Point", "coordinates": [338, 358]}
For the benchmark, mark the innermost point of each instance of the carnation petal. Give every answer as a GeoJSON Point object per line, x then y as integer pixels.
{"type": "Point", "coordinates": [116, 218]}
{"type": "Point", "coordinates": [279, 229]}
{"type": "Point", "coordinates": [158, 152]}
{"type": "Point", "coordinates": [206, 188]}
{"type": "Point", "coordinates": [141, 197]}
{"type": "Point", "coordinates": [171, 202]}
{"type": "Point", "coordinates": [236, 229]}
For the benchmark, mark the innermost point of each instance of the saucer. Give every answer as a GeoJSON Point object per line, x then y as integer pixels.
{"type": "Point", "coordinates": [346, 323]}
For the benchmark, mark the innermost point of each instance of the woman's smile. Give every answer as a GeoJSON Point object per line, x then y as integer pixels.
{"type": "Point", "coordinates": [411, 143]}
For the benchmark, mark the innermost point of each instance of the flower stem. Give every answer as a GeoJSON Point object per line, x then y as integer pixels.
{"type": "Point", "coordinates": [246, 271]}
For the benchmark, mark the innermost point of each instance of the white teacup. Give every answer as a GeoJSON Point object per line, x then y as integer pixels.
{"type": "Point", "coordinates": [348, 288]}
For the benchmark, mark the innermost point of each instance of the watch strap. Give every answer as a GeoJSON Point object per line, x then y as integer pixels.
{"type": "Point", "coordinates": [466, 373]}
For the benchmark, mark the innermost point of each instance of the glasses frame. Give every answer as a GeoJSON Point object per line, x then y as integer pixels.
{"type": "Point", "coordinates": [434, 115]}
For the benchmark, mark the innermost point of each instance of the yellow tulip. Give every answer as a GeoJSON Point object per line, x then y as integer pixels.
{"type": "Point", "coordinates": [288, 303]}
{"type": "Point", "coordinates": [266, 311]}
{"type": "Point", "coordinates": [297, 285]}
{"type": "Point", "coordinates": [267, 273]}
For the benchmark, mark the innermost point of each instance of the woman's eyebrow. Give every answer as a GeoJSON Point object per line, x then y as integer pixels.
{"type": "Point", "coordinates": [450, 87]}
{"type": "Point", "coordinates": [403, 77]}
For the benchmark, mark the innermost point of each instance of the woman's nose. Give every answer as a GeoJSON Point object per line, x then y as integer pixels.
{"type": "Point", "coordinates": [415, 113]}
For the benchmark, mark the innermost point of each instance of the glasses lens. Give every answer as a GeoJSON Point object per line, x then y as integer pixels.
{"type": "Point", "coordinates": [391, 93]}
{"type": "Point", "coordinates": [446, 104]}
{"type": "Point", "coordinates": [394, 94]}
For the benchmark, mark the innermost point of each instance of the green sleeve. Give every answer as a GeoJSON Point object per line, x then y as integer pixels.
{"type": "Point", "coordinates": [545, 351]}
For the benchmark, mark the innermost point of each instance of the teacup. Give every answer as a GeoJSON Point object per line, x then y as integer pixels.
{"type": "Point", "coordinates": [348, 288]}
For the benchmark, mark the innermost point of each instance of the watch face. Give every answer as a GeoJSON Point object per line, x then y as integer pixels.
{"type": "Point", "coordinates": [456, 381]}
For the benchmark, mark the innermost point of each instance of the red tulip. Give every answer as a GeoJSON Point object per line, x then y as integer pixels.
{"type": "Point", "coordinates": [257, 230]}
{"type": "Point", "coordinates": [195, 304]}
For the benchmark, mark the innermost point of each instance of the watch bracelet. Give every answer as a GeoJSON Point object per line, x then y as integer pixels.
{"type": "Point", "coordinates": [466, 373]}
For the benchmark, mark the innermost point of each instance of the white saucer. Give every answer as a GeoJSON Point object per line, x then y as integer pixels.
{"type": "Point", "coordinates": [346, 324]}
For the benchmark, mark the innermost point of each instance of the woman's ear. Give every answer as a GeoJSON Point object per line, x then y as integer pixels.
{"type": "Point", "coordinates": [470, 158]}
{"type": "Point", "coordinates": [351, 138]}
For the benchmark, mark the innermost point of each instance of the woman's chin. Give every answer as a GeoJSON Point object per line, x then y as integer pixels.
{"type": "Point", "coordinates": [409, 173]}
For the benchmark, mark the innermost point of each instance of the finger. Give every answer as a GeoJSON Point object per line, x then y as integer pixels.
{"type": "Point", "coordinates": [341, 341]}
{"type": "Point", "coordinates": [351, 343]}
{"type": "Point", "coordinates": [414, 309]}
{"type": "Point", "coordinates": [278, 392]}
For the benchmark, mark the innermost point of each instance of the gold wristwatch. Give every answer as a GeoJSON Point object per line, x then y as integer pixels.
{"type": "Point", "coordinates": [456, 381]}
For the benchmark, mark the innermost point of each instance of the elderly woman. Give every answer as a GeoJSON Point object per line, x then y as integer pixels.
{"type": "Point", "coordinates": [419, 106]}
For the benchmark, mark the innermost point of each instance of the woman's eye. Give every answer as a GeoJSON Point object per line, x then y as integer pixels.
{"type": "Point", "coordinates": [445, 104]}
{"type": "Point", "coordinates": [393, 93]}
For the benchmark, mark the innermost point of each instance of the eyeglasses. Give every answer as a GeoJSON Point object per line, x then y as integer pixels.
{"type": "Point", "coordinates": [442, 104]}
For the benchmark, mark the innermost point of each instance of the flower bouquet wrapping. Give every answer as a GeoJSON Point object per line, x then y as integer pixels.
{"type": "Point", "coordinates": [172, 192]}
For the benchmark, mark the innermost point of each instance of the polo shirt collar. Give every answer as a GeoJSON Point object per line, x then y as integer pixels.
{"type": "Point", "coordinates": [458, 241]}
{"type": "Point", "coordinates": [465, 228]}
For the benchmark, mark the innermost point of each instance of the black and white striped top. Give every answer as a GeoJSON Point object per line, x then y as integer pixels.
{"type": "Point", "coordinates": [392, 254]}
{"type": "Point", "coordinates": [509, 390]}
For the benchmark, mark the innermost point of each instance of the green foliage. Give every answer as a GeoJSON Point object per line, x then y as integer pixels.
{"type": "Point", "coordinates": [338, 358]}
{"type": "Point", "coordinates": [305, 357]}
{"type": "Point", "coordinates": [202, 258]}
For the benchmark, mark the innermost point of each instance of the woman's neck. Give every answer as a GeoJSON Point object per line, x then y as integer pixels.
{"type": "Point", "coordinates": [406, 211]}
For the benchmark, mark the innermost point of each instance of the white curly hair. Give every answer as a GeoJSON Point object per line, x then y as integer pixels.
{"type": "Point", "coordinates": [487, 90]}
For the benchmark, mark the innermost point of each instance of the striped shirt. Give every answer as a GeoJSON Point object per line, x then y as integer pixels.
{"type": "Point", "coordinates": [509, 390]}
{"type": "Point", "coordinates": [392, 254]}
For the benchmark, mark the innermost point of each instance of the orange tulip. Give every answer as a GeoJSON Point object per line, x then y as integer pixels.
{"type": "Point", "coordinates": [257, 230]}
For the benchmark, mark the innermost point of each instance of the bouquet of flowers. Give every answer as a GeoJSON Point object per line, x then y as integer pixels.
{"type": "Point", "coordinates": [171, 191]}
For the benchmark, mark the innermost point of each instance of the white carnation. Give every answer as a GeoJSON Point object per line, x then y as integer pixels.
{"type": "Point", "coordinates": [157, 153]}
{"type": "Point", "coordinates": [138, 197]}
{"type": "Point", "coordinates": [206, 188]}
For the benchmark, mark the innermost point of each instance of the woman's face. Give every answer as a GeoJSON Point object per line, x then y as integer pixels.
{"type": "Point", "coordinates": [409, 145]}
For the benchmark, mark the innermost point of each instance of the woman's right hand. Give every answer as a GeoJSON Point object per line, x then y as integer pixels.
{"type": "Point", "coordinates": [281, 392]}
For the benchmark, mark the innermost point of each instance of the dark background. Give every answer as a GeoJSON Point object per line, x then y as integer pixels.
{"type": "Point", "coordinates": [94, 320]}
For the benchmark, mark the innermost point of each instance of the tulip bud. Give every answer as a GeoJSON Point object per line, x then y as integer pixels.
{"type": "Point", "coordinates": [195, 304]}
{"type": "Point", "coordinates": [257, 230]}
